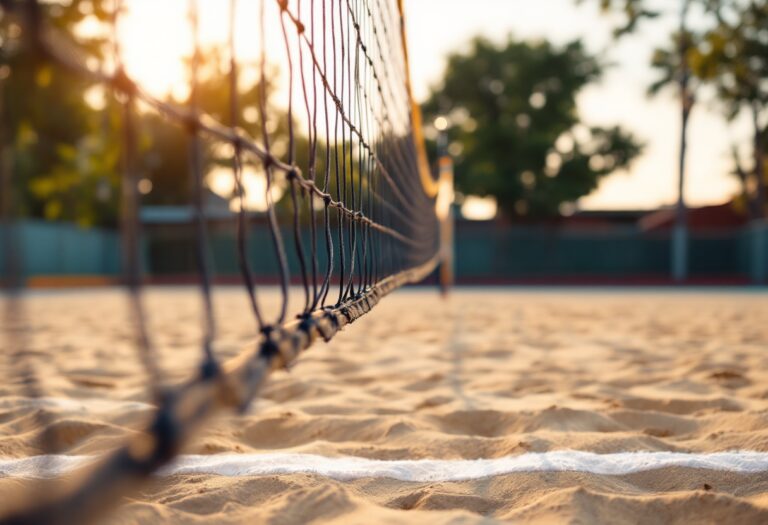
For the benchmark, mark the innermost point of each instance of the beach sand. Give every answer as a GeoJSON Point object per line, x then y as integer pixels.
{"type": "Point", "coordinates": [485, 374]}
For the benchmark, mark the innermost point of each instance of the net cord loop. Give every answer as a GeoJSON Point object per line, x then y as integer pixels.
{"type": "Point", "coordinates": [237, 171]}
{"type": "Point", "coordinates": [198, 193]}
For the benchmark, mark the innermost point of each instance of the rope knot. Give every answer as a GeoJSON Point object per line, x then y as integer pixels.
{"type": "Point", "coordinates": [307, 323]}
{"type": "Point", "coordinates": [330, 327]}
{"type": "Point", "coordinates": [209, 369]}
{"type": "Point", "coordinates": [269, 347]}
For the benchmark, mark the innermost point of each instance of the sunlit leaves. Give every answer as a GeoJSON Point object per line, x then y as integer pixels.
{"type": "Point", "coordinates": [512, 109]}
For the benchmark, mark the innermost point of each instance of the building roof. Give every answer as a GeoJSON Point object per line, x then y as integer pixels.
{"type": "Point", "coordinates": [720, 216]}
{"type": "Point", "coordinates": [216, 208]}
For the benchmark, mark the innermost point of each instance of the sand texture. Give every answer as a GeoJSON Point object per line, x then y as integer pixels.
{"type": "Point", "coordinates": [486, 374]}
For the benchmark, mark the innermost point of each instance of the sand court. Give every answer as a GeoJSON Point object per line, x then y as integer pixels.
{"type": "Point", "coordinates": [613, 405]}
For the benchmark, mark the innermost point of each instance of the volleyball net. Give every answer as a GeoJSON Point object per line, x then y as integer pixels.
{"type": "Point", "coordinates": [348, 196]}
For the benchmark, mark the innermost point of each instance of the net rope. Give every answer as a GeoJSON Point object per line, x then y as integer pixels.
{"type": "Point", "coordinates": [357, 217]}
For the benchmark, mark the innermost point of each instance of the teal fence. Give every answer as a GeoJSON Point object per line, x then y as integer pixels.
{"type": "Point", "coordinates": [485, 252]}
{"type": "Point", "coordinates": [60, 249]}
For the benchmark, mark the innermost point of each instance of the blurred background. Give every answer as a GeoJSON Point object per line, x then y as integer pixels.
{"type": "Point", "coordinates": [594, 141]}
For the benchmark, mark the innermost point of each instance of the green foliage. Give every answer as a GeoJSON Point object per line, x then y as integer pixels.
{"type": "Point", "coordinates": [65, 134]}
{"type": "Point", "coordinates": [63, 161]}
{"type": "Point", "coordinates": [679, 56]}
{"type": "Point", "coordinates": [735, 62]}
{"type": "Point", "coordinates": [513, 110]}
{"type": "Point", "coordinates": [730, 53]}
{"type": "Point", "coordinates": [736, 58]}
{"type": "Point", "coordinates": [632, 11]}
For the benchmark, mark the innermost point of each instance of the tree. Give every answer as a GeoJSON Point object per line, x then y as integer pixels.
{"type": "Point", "coordinates": [515, 122]}
{"type": "Point", "coordinates": [64, 163]}
{"type": "Point", "coordinates": [65, 131]}
{"type": "Point", "coordinates": [165, 155]}
{"type": "Point", "coordinates": [732, 55]}
{"type": "Point", "coordinates": [674, 64]}
{"type": "Point", "coordinates": [736, 63]}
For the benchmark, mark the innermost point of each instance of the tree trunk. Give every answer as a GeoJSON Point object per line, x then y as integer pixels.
{"type": "Point", "coordinates": [746, 191]}
{"type": "Point", "coordinates": [680, 234]}
{"type": "Point", "coordinates": [759, 163]}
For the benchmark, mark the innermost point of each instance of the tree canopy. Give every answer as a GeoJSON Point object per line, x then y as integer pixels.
{"type": "Point", "coordinates": [735, 62]}
{"type": "Point", "coordinates": [729, 52]}
{"type": "Point", "coordinates": [59, 148]}
{"type": "Point", "coordinates": [516, 134]}
{"type": "Point", "coordinates": [64, 132]}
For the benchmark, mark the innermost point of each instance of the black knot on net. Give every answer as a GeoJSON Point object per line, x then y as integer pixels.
{"type": "Point", "coordinates": [345, 311]}
{"type": "Point", "coordinates": [330, 326]}
{"type": "Point", "coordinates": [209, 369]}
{"type": "Point", "coordinates": [165, 433]}
{"type": "Point", "coordinates": [307, 323]}
{"type": "Point", "coordinates": [269, 346]}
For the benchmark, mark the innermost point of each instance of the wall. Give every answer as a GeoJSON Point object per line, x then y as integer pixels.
{"type": "Point", "coordinates": [485, 253]}
{"type": "Point", "coordinates": [60, 249]}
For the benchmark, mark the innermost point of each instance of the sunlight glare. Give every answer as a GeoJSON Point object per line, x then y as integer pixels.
{"type": "Point", "coordinates": [476, 208]}
{"type": "Point", "coordinates": [221, 181]}
{"type": "Point", "coordinates": [156, 38]}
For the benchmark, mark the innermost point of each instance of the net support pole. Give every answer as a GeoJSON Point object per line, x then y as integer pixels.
{"type": "Point", "coordinates": [444, 209]}
{"type": "Point", "coordinates": [429, 186]}
{"type": "Point", "coordinates": [442, 189]}
{"type": "Point", "coordinates": [447, 266]}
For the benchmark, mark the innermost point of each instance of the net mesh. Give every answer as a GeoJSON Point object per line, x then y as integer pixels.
{"type": "Point", "coordinates": [357, 211]}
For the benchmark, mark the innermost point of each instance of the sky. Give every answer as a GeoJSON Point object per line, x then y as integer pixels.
{"type": "Point", "coordinates": [439, 27]}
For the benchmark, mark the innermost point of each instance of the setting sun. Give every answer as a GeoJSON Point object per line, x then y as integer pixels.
{"type": "Point", "coordinates": [156, 39]}
{"type": "Point", "coordinates": [156, 42]}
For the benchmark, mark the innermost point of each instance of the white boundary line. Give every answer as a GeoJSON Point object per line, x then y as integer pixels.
{"type": "Point", "coordinates": [74, 405]}
{"type": "Point", "coordinates": [420, 470]}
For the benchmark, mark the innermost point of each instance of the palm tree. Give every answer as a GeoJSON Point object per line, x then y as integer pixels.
{"type": "Point", "coordinates": [737, 64]}
{"type": "Point", "coordinates": [674, 66]}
